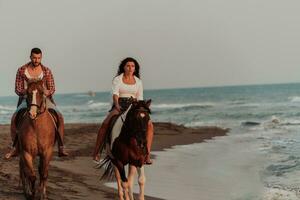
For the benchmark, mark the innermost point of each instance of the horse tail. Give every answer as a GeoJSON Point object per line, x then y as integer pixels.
{"type": "Point", "coordinates": [103, 145]}
{"type": "Point", "coordinates": [108, 167]}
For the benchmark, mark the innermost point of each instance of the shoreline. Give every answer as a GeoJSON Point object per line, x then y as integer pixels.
{"type": "Point", "coordinates": [75, 176]}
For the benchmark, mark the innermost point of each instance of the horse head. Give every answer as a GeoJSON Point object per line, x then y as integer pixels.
{"type": "Point", "coordinates": [35, 98]}
{"type": "Point", "coordinates": [137, 119]}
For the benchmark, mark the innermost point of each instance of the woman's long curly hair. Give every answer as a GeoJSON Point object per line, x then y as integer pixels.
{"type": "Point", "coordinates": [123, 63]}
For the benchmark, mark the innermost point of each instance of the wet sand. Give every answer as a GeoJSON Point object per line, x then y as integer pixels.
{"type": "Point", "coordinates": [75, 177]}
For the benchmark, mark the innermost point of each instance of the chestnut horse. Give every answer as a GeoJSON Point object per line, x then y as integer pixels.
{"type": "Point", "coordinates": [36, 135]}
{"type": "Point", "coordinates": [128, 147]}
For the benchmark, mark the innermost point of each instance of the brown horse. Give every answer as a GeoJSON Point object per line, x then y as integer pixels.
{"type": "Point", "coordinates": [36, 135]}
{"type": "Point", "coordinates": [129, 147]}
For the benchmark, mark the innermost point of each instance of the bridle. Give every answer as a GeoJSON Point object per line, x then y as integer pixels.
{"type": "Point", "coordinates": [134, 133]}
{"type": "Point", "coordinates": [39, 110]}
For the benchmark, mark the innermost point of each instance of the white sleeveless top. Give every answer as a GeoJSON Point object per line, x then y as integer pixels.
{"type": "Point", "coordinates": [30, 77]}
{"type": "Point", "coordinates": [121, 89]}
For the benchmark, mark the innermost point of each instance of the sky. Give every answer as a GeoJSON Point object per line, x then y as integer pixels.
{"type": "Point", "coordinates": [190, 43]}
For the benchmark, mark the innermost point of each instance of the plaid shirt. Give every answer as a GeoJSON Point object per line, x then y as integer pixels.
{"type": "Point", "coordinates": [21, 78]}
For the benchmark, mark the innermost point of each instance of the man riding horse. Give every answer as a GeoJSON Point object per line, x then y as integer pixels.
{"type": "Point", "coordinates": [35, 70]}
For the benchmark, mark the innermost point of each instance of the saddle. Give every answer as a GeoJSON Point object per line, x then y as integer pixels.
{"type": "Point", "coordinates": [110, 127]}
{"type": "Point", "coordinates": [20, 114]}
{"type": "Point", "coordinates": [114, 129]}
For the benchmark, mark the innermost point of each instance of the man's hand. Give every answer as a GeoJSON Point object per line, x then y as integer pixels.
{"type": "Point", "coordinates": [46, 91]}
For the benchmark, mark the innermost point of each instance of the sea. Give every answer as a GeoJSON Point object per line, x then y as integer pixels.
{"type": "Point", "coordinates": [259, 159]}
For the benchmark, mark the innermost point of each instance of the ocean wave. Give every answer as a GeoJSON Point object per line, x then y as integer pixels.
{"type": "Point", "coordinates": [92, 104]}
{"type": "Point", "coordinates": [290, 122]}
{"type": "Point", "coordinates": [281, 193]}
{"type": "Point", "coordinates": [273, 122]}
{"type": "Point", "coordinates": [294, 99]}
{"type": "Point", "coordinates": [82, 95]}
{"type": "Point", "coordinates": [7, 108]}
{"type": "Point", "coordinates": [207, 123]}
{"type": "Point", "coordinates": [244, 104]}
{"type": "Point", "coordinates": [281, 169]}
{"type": "Point", "coordinates": [291, 164]}
{"type": "Point", "coordinates": [178, 108]}
{"type": "Point", "coordinates": [4, 112]}
{"type": "Point", "coordinates": [195, 124]}
{"type": "Point", "coordinates": [172, 106]}
{"type": "Point", "coordinates": [244, 115]}
{"type": "Point", "coordinates": [237, 102]}
{"type": "Point", "coordinates": [276, 121]}
{"type": "Point", "coordinates": [250, 105]}
{"type": "Point", "coordinates": [85, 108]}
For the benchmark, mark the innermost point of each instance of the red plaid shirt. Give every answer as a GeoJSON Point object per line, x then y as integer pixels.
{"type": "Point", "coordinates": [21, 78]}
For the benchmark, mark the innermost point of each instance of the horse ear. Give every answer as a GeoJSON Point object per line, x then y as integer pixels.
{"type": "Point", "coordinates": [134, 103]}
{"type": "Point", "coordinates": [148, 103]}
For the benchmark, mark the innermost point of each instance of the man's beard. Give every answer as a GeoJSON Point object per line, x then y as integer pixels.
{"type": "Point", "coordinates": [36, 64]}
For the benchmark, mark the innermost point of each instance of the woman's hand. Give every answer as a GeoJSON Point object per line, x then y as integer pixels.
{"type": "Point", "coordinates": [118, 107]}
{"type": "Point", "coordinates": [116, 102]}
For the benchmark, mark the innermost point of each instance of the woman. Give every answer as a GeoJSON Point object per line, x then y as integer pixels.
{"type": "Point", "coordinates": [126, 84]}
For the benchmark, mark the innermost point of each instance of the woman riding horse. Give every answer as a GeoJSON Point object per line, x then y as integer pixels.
{"type": "Point", "coordinates": [127, 144]}
{"type": "Point", "coordinates": [127, 84]}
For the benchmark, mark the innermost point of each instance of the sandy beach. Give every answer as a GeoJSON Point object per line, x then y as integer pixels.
{"type": "Point", "coordinates": [75, 177]}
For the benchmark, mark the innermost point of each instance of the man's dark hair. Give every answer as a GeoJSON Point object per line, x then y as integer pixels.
{"type": "Point", "coordinates": [36, 51]}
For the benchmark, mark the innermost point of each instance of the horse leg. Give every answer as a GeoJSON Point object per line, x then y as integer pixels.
{"type": "Point", "coordinates": [28, 175]}
{"type": "Point", "coordinates": [149, 136]}
{"type": "Point", "coordinates": [43, 170]}
{"type": "Point", "coordinates": [121, 173]}
{"type": "Point", "coordinates": [121, 169]}
{"type": "Point", "coordinates": [131, 176]}
{"type": "Point", "coordinates": [142, 181]}
{"type": "Point", "coordinates": [41, 166]}
{"type": "Point", "coordinates": [119, 183]}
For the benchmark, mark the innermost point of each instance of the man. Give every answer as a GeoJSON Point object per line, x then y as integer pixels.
{"type": "Point", "coordinates": [35, 70]}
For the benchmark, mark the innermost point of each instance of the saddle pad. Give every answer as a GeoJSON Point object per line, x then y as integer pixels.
{"type": "Point", "coordinates": [117, 127]}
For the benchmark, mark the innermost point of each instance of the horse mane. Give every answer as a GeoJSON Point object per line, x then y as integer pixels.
{"type": "Point", "coordinates": [145, 104]}
{"type": "Point", "coordinates": [37, 83]}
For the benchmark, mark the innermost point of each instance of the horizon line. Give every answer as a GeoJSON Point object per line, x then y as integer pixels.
{"type": "Point", "coordinates": [176, 88]}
